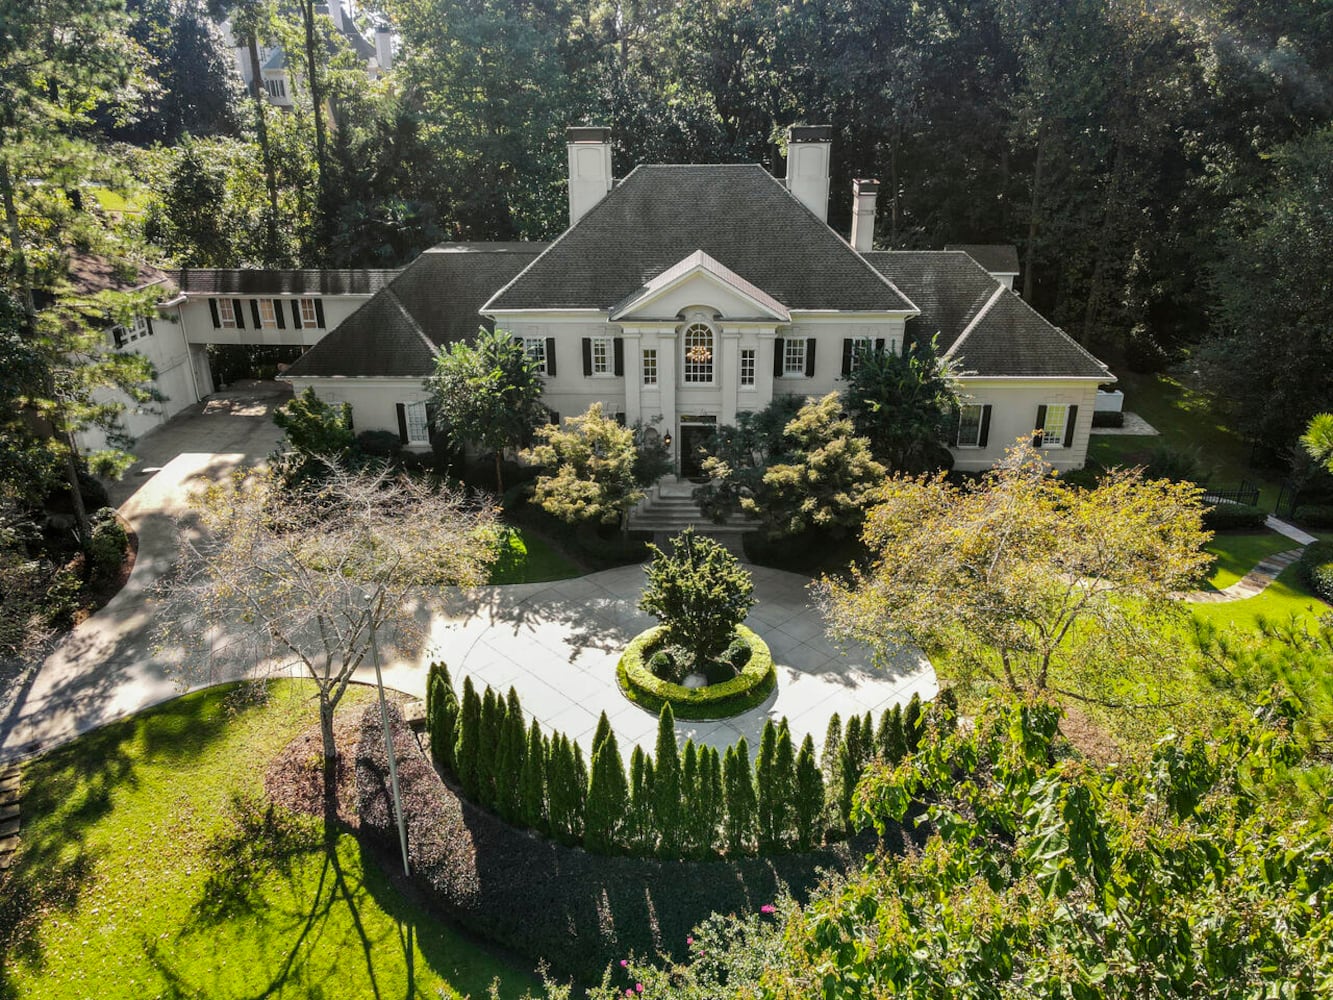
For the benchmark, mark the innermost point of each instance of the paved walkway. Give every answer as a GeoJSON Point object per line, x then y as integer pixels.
{"type": "Point", "coordinates": [1252, 584]}
{"type": "Point", "coordinates": [1134, 426]}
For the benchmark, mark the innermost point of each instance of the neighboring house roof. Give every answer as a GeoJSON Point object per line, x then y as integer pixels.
{"type": "Point", "coordinates": [981, 325]}
{"type": "Point", "coordinates": [997, 258]}
{"type": "Point", "coordinates": [277, 61]}
{"type": "Point", "coordinates": [91, 273]}
{"type": "Point", "coordinates": [434, 301]}
{"type": "Point", "coordinates": [218, 281]}
{"type": "Point", "coordinates": [738, 214]}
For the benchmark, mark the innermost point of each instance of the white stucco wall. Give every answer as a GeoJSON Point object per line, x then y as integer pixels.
{"type": "Point", "coordinates": [1014, 405]}
{"type": "Point", "coordinates": [197, 320]}
{"type": "Point", "coordinates": [373, 400]}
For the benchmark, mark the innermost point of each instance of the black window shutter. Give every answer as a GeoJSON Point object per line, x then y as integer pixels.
{"type": "Point", "coordinates": [879, 345]}
{"type": "Point", "coordinates": [254, 311]}
{"type": "Point", "coordinates": [779, 346]}
{"type": "Point", "coordinates": [213, 311]}
{"type": "Point", "coordinates": [402, 421]}
{"type": "Point", "coordinates": [239, 313]}
{"type": "Point", "coordinates": [1069, 426]}
{"type": "Point", "coordinates": [296, 313]}
{"type": "Point", "coordinates": [351, 424]}
{"type": "Point", "coordinates": [619, 344]}
{"type": "Point", "coordinates": [956, 416]}
{"type": "Point", "coordinates": [984, 435]}
{"type": "Point", "coordinates": [148, 322]}
{"type": "Point", "coordinates": [319, 314]}
{"type": "Point", "coordinates": [848, 346]}
{"type": "Point", "coordinates": [554, 417]}
{"type": "Point", "coordinates": [118, 335]}
{"type": "Point", "coordinates": [620, 419]}
{"type": "Point", "coordinates": [432, 411]}
{"type": "Point", "coordinates": [809, 357]}
{"type": "Point", "coordinates": [1041, 422]}
{"type": "Point", "coordinates": [277, 311]}
{"type": "Point", "coordinates": [550, 356]}
{"type": "Point", "coordinates": [587, 356]}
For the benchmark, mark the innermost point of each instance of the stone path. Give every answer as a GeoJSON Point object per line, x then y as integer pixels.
{"type": "Point", "coordinates": [1252, 584]}
{"type": "Point", "coordinates": [10, 793]}
{"type": "Point", "coordinates": [1134, 426]}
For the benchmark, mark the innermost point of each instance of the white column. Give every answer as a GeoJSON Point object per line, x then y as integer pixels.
{"type": "Point", "coordinates": [666, 382]}
{"type": "Point", "coordinates": [763, 376]}
{"type": "Point", "coordinates": [633, 376]}
{"type": "Point", "coordinates": [729, 372]}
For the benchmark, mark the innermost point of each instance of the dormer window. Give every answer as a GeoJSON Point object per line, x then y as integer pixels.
{"type": "Point", "coordinates": [698, 346]}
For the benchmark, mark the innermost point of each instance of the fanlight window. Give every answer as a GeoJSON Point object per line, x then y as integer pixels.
{"type": "Point", "coordinates": [698, 353]}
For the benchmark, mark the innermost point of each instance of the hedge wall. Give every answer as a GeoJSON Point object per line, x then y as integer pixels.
{"type": "Point", "coordinates": [578, 911]}
{"type": "Point", "coordinates": [715, 701]}
{"type": "Point", "coordinates": [1234, 517]}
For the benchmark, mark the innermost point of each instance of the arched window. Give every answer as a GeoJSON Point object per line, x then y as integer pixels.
{"type": "Point", "coordinates": [698, 343]}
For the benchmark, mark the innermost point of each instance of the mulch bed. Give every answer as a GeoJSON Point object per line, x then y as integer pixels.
{"type": "Point", "coordinates": [96, 593]}
{"type": "Point", "coordinates": [295, 778]}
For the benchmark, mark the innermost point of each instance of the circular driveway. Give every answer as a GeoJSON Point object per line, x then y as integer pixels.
{"type": "Point", "coordinates": [557, 645]}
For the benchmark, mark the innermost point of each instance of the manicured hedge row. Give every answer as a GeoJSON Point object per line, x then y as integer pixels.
{"type": "Point", "coordinates": [579, 911]}
{"type": "Point", "coordinates": [1108, 418]}
{"type": "Point", "coordinates": [1314, 515]}
{"type": "Point", "coordinates": [1234, 517]}
{"type": "Point", "coordinates": [716, 701]}
{"type": "Point", "coordinates": [1317, 569]}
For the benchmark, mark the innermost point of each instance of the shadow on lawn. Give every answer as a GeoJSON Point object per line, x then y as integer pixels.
{"type": "Point", "coordinates": [65, 794]}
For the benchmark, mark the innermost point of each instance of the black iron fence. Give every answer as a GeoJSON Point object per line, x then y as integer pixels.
{"type": "Point", "coordinates": [1247, 493]}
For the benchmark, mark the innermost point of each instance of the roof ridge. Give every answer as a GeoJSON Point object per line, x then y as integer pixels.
{"type": "Point", "coordinates": [416, 327]}
{"type": "Point", "coordinates": [1081, 349]}
{"type": "Point", "coordinates": [967, 330]}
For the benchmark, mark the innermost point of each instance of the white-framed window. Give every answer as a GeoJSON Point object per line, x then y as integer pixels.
{"type": "Point", "coordinates": [268, 314]}
{"type": "Point", "coordinates": [969, 426]}
{"type": "Point", "coordinates": [309, 316]}
{"type": "Point", "coordinates": [860, 348]}
{"type": "Point", "coordinates": [138, 329]}
{"type": "Point", "coordinates": [650, 366]}
{"type": "Point", "coordinates": [747, 366]}
{"type": "Point", "coordinates": [1053, 429]}
{"type": "Point", "coordinates": [793, 357]}
{"type": "Point", "coordinates": [698, 347]}
{"type": "Point", "coordinates": [536, 348]}
{"type": "Point", "coordinates": [226, 313]}
{"type": "Point", "coordinates": [276, 88]}
{"type": "Point", "coordinates": [418, 424]}
{"type": "Point", "coordinates": [601, 355]}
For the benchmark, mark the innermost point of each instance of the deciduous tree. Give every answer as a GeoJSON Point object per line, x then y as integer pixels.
{"type": "Point", "coordinates": [588, 468]}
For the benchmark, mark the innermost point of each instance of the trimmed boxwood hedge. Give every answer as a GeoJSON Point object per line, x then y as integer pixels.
{"type": "Point", "coordinates": [1234, 517]}
{"type": "Point", "coordinates": [1317, 569]}
{"type": "Point", "coordinates": [716, 701]}
{"type": "Point", "coordinates": [579, 911]}
{"type": "Point", "coordinates": [1314, 515]}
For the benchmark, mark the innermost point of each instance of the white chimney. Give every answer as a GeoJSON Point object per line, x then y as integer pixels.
{"type": "Point", "coordinates": [808, 166]}
{"type": "Point", "coordinates": [589, 168]}
{"type": "Point", "coordinates": [864, 194]}
{"type": "Point", "coordinates": [384, 47]}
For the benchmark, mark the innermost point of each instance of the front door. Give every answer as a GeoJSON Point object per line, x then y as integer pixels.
{"type": "Point", "coordinates": [696, 434]}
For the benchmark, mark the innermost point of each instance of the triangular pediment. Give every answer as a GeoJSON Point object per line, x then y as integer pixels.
{"type": "Point", "coordinates": [699, 280]}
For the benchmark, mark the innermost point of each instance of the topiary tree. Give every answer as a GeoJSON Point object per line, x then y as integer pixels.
{"type": "Point", "coordinates": [532, 782]}
{"type": "Point", "coordinates": [469, 733]}
{"type": "Point", "coordinates": [783, 789]}
{"type": "Point", "coordinates": [689, 802]}
{"type": "Point", "coordinates": [608, 793]}
{"type": "Point", "coordinates": [708, 801]}
{"type": "Point", "coordinates": [699, 593]}
{"type": "Point", "coordinates": [765, 787]}
{"type": "Point", "coordinates": [666, 786]}
{"type": "Point", "coordinates": [808, 803]}
{"type": "Point", "coordinates": [442, 710]}
{"type": "Point", "coordinates": [563, 790]}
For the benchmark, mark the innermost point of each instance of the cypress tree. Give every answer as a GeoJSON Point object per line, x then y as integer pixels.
{"type": "Point", "coordinates": [867, 742]}
{"type": "Point", "coordinates": [599, 736]}
{"type": "Point", "coordinates": [809, 799]}
{"type": "Point", "coordinates": [946, 710]}
{"type": "Point", "coordinates": [832, 769]}
{"type": "Point", "coordinates": [912, 724]}
{"type": "Point", "coordinates": [895, 746]}
{"type": "Point", "coordinates": [713, 842]}
{"type": "Point", "coordinates": [639, 833]}
{"type": "Point", "coordinates": [766, 792]}
{"type": "Point", "coordinates": [488, 746]}
{"type": "Point", "coordinates": [849, 769]}
{"type": "Point", "coordinates": [783, 808]}
{"type": "Point", "coordinates": [740, 800]}
{"type": "Point", "coordinates": [442, 709]}
{"type": "Point", "coordinates": [604, 817]}
{"type": "Point", "coordinates": [579, 791]}
{"type": "Point", "coordinates": [666, 786]}
{"type": "Point", "coordinates": [509, 762]}
{"type": "Point", "coordinates": [469, 732]}
{"type": "Point", "coordinates": [532, 782]}
{"type": "Point", "coordinates": [689, 802]}
{"type": "Point", "coordinates": [562, 782]}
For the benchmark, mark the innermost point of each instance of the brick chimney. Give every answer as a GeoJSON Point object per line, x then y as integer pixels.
{"type": "Point", "coordinates": [589, 168]}
{"type": "Point", "coordinates": [864, 194]}
{"type": "Point", "coordinates": [808, 148]}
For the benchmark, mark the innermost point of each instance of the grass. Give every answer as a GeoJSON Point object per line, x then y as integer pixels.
{"type": "Point", "coordinates": [532, 559]}
{"type": "Point", "coordinates": [1237, 554]}
{"type": "Point", "coordinates": [142, 873]}
{"type": "Point", "coordinates": [114, 201]}
{"type": "Point", "coordinates": [1283, 598]}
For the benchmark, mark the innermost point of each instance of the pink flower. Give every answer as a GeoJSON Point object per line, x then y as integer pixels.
{"type": "Point", "coordinates": [689, 940]}
{"type": "Point", "coordinates": [767, 908]}
{"type": "Point", "coordinates": [624, 963]}
{"type": "Point", "coordinates": [638, 987]}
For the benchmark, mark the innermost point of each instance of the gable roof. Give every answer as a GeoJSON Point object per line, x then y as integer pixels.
{"type": "Point", "coordinates": [695, 263]}
{"type": "Point", "coordinates": [311, 281]}
{"type": "Point", "coordinates": [983, 326]}
{"type": "Point", "coordinates": [434, 301]}
{"type": "Point", "coordinates": [997, 258]}
{"type": "Point", "coordinates": [738, 214]}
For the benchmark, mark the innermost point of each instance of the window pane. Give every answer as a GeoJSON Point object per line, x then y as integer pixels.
{"type": "Point", "coordinates": [698, 353]}
{"type": "Point", "coordinates": [747, 366]}
{"type": "Point", "coordinates": [226, 313]}
{"type": "Point", "coordinates": [969, 426]}
{"type": "Point", "coordinates": [536, 348]}
{"type": "Point", "coordinates": [601, 355]}
{"type": "Point", "coordinates": [1053, 433]}
{"type": "Point", "coordinates": [793, 356]}
{"type": "Point", "coordinates": [417, 431]}
{"type": "Point", "coordinates": [308, 312]}
{"type": "Point", "coordinates": [267, 317]}
{"type": "Point", "coordinates": [649, 366]}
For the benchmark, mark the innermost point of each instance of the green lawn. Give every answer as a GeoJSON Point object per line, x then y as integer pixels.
{"type": "Point", "coordinates": [1284, 597]}
{"type": "Point", "coordinates": [141, 875]}
{"type": "Point", "coordinates": [532, 560]}
{"type": "Point", "coordinates": [1237, 554]}
{"type": "Point", "coordinates": [1186, 419]}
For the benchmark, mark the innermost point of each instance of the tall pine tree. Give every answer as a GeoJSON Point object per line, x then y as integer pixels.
{"type": "Point", "coordinates": [533, 782]}
{"type": "Point", "coordinates": [469, 734]}
{"type": "Point", "coordinates": [666, 786]}
{"type": "Point", "coordinates": [488, 746]}
{"type": "Point", "coordinates": [442, 711]}
{"type": "Point", "coordinates": [766, 793]}
{"type": "Point", "coordinates": [809, 798]}
{"type": "Point", "coordinates": [509, 760]}
{"type": "Point", "coordinates": [689, 801]}
{"type": "Point", "coordinates": [604, 821]}
{"type": "Point", "coordinates": [739, 782]}
{"type": "Point", "coordinates": [783, 808]}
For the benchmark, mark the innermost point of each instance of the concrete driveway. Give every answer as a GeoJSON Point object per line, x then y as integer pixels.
{"type": "Point", "coordinates": [105, 669]}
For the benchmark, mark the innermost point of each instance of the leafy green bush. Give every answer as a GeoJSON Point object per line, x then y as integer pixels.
{"type": "Point", "coordinates": [716, 701]}
{"type": "Point", "coordinates": [663, 665]}
{"type": "Point", "coordinates": [315, 428]}
{"type": "Point", "coordinates": [1179, 465]}
{"type": "Point", "coordinates": [738, 654]}
{"type": "Point", "coordinates": [1234, 517]}
{"type": "Point", "coordinates": [1314, 515]}
{"type": "Point", "coordinates": [1317, 569]}
{"type": "Point", "coordinates": [379, 444]}
{"type": "Point", "coordinates": [106, 545]}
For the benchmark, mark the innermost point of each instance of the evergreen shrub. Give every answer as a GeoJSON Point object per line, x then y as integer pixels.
{"type": "Point", "coordinates": [1314, 515]}
{"type": "Point", "coordinates": [106, 546]}
{"type": "Point", "coordinates": [747, 689]}
{"type": "Point", "coordinates": [1234, 517]}
{"type": "Point", "coordinates": [1317, 569]}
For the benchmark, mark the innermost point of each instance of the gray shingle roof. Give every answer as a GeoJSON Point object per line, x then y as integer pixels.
{"type": "Point", "coordinates": [997, 258]}
{"type": "Point", "coordinates": [738, 214]}
{"type": "Point", "coordinates": [984, 327]}
{"type": "Point", "coordinates": [433, 302]}
{"type": "Point", "coordinates": [346, 281]}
